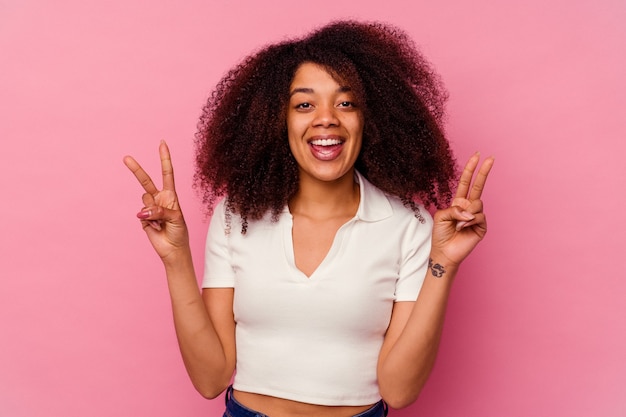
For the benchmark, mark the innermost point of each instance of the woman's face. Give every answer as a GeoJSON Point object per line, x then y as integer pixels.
{"type": "Point", "coordinates": [324, 125]}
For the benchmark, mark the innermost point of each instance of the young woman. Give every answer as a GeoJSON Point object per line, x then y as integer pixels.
{"type": "Point", "coordinates": [326, 279]}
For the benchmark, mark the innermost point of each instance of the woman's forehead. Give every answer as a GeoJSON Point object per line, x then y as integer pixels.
{"type": "Point", "coordinates": [310, 75]}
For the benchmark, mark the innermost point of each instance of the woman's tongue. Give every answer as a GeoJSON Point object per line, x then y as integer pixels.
{"type": "Point", "coordinates": [326, 152]}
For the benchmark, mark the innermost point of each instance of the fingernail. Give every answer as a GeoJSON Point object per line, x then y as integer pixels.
{"type": "Point", "coordinates": [143, 214]}
{"type": "Point", "coordinates": [467, 215]}
{"type": "Point", "coordinates": [459, 225]}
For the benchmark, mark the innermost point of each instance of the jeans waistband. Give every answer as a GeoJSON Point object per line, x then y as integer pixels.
{"type": "Point", "coordinates": [236, 409]}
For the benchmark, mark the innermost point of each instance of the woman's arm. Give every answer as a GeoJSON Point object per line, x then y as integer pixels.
{"type": "Point", "coordinates": [204, 323]}
{"type": "Point", "coordinates": [412, 339]}
{"type": "Point", "coordinates": [205, 329]}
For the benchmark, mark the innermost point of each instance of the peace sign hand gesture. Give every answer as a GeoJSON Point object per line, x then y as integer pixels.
{"type": "Point", "coordinates": [161, 217]}
{"type": "Point", "coordinates": [458, 229]}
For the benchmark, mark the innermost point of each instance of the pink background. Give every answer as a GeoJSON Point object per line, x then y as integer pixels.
{"type": "Point", "coordinates": [537, 318]}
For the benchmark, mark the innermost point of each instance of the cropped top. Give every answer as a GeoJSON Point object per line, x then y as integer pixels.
{"type": "Point", "coordinates": [317, 339]}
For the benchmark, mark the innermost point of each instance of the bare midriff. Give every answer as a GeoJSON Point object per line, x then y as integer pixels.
{"type": "Point", "coordinates": [280, 407]}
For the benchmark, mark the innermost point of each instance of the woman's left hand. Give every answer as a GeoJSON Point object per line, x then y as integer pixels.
{"type": "Point", "coordinates": [458, 229]}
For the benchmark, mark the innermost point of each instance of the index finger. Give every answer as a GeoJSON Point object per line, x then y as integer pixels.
{"type": "Point", "coordinates": [141, 175]}
{"type": "Point", "coordinates": [166, 167]}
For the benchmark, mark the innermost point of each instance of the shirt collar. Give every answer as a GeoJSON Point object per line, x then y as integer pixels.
{"type": "Point", "coordinates": [374, 204]}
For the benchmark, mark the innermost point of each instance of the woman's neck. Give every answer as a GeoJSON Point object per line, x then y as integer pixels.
{"type": "Point", "coordinates": [326, 199]}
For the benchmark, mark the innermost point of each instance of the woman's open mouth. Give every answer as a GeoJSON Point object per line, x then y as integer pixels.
{"type": "Point", "coordinates": [326, 148]}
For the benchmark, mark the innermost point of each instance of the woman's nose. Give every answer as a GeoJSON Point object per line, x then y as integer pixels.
{"type": "Point", "coordinates": [326, 116]}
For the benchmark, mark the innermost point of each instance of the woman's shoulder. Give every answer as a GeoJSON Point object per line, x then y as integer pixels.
{"type": "Point", "coordinates": [227, 218]}
{"type": "Point", "coordinates": [377, 204]}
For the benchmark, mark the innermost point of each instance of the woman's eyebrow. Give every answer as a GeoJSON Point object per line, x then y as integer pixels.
{"type": "Point", "coordinates": [301, 90]}
{"type": "Point", "coordinates": [307, 90]}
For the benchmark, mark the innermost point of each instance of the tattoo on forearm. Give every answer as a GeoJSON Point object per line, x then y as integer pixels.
{"type": "Point", "coordinates": [436, 269]}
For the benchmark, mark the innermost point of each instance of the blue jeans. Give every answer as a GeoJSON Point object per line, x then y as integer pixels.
{"type": "Point", "coordinates": [235, 409]}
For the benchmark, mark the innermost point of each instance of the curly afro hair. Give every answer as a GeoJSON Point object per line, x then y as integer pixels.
{"type": "Point", "coordinates": [242, 149]}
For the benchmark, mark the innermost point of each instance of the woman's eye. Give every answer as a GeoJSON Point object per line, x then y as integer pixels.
{"type": "Point", "coordinates": [346, 104]}
{"type": "Point", "coordinates": [303, 106]}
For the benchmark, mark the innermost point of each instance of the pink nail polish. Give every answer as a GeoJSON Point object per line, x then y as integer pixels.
{"type": "Point", "coordinates": [143, 214]}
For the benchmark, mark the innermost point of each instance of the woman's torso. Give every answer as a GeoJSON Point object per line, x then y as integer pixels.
{"type": "Point", "coordinates": [332, 318]}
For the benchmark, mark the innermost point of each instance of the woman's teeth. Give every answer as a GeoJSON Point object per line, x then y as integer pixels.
{"type": "Point", "coordinates": [326, 142]}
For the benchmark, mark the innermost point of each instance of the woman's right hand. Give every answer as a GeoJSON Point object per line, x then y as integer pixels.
{"type": "Point", "coordinates": [161, 217]}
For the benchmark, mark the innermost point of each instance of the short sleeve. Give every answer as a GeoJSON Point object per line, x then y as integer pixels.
{"type": "Point", "coordinates": [218, 270]}
{"type": "Point", "coordinates": [415, 252]}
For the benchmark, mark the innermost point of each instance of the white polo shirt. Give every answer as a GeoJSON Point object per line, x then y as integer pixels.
{"type": "Point", "coordinates": [316, 339]}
